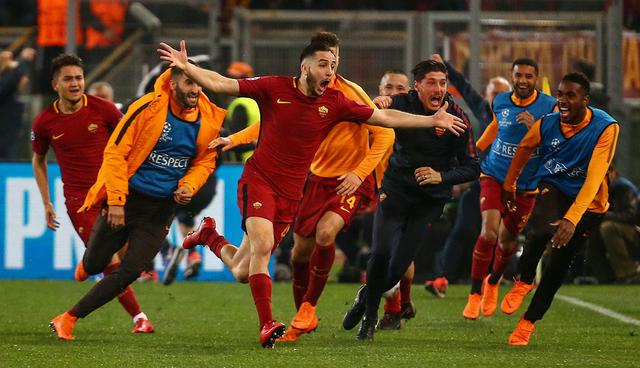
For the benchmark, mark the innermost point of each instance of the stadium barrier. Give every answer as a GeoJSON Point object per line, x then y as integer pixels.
{"type": "Point", "coordinates": [29, 250]}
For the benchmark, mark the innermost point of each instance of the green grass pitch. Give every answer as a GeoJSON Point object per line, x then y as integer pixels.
{"type": "Point", "coordinates": [215, 325]}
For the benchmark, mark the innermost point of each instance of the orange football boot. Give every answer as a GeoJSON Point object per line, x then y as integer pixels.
{"type": "Point", "coordinates": [489, 301]}
{"type": "Point", "coordinates": [80, 274]}
{"type": "Point", "coordinates": [515, 296]}
{"type": "Point", "coordinates": [305, 321]}
{"type": "Point", "coordinates": [520, 336]}
{"type": "Point", "coordinates": [63, 325]}
{"type": "Point", "coordinates": [472, 309]}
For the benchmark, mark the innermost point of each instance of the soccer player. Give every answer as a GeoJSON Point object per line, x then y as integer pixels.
{"type": "Point", "coordinates": [424, 166]}
{"type": "Point", "coordinates": [399, 305]}
{"type": "Point", "coordinates": [77, 127]}
{"type": "Point", "coordinates": [576, 146]}
{"type": "Point", "coordinates": [297, 114]}
{"type": "Point", "coordinates": [157, 157]}
{"type": "Point", "coordinates": [513, 114]}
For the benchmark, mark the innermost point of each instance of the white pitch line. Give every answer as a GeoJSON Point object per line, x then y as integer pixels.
{"type": "Point", "coordinates": [598, 309]}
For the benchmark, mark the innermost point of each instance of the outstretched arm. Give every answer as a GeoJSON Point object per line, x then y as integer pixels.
{"type": "Point", "coordinates": [208, 79]}
{"type": "Point", "coordinates": [399, 119]}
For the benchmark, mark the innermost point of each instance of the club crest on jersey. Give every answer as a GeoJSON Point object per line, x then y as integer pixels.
{"type": "Point", "coordinates": [323, 111]}
{"type": "Point", "coordinates": [257, 205]}
{"type": "Point", "coordinates": [92, 128]}
{"type": "Point", "coordinates": [166, 133]}
{"type": "Point", "coordinates": [440, 131]}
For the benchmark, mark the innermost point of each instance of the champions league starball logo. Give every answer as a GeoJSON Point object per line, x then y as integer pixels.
{"type": "Point", "coordinates": [166, 131]}
{"type": "Point", "coordinates": [505, 113]}
{"type": "Point", "coordinates": [555, 143]}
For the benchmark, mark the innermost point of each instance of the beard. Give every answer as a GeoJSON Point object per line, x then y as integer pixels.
{"type": "Point", "coordinates": [183, 98]}
{"type": "Point", "coordinates": [311, 85]}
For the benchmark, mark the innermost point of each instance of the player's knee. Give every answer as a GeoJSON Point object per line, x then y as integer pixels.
{"type": "Point", "coordinates": [325, 235]}
{"type": "Point", "coordinates": [301, 254]}
{"type": "Point", "coordinates": [490, 235]}
{"type": "Point", "coordinates": [242, 276]}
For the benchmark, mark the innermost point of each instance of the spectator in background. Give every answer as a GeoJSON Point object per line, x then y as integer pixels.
{"type": "Point", "coordinates": [468, 220]}
{"type": "Point", "coordinates": [599, 97]}
{"type": "Point", "coordinates": [620, 230]}
{"type": "Point", "coordinates": [13, 81]}
{"type": "Point", "coordinates": [104, 90]}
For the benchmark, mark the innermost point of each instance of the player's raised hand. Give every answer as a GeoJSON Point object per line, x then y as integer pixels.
{"type": "Point", "coordinates": [223, 142]}
{"type": "Point", "coordinates": [52, 219]}
{"type": "Point", "coordinates": [437, 57]}
{"type": "Point", "coordinates": [452, 123]}
{"type": "Point", "coordinates": [176, 58]}
{"type": "Point", "coordinates": [350, 183]}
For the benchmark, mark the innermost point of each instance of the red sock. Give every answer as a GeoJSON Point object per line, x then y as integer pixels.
{"type": "Point", "coordinates": [501, 261]}
{"type": "Point", "coordinates": [482, 255]}
{"type": "Point", "coordinates": [392, 305]}
{"type": "Point", "coordinates": [260, 285]}
{"type": "Point", "coordinates": [319, 268]}
{"type": "Point", "coordinates": [215, 242]}
{"type": "Point", "coordinates": [405, 290]}
{"type": "Point", "coordinates": [300, 281]}
{"type": "Point", "coordinates": [126, 298]}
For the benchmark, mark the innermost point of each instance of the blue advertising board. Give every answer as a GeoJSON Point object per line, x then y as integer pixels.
{"type": "Point", "coordinates": [29, 250]}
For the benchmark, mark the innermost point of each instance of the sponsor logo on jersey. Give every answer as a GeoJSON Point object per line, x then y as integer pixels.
{"type": "Point", "coordinates": [57, 136]}
{"type": "Point", "coordinates": [280, 101]}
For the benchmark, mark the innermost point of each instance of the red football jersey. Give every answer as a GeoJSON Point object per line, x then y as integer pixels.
{"type": "Point", "coordinates": [292, 127]}
{"type": "Point", "coordinates": [78, 140]}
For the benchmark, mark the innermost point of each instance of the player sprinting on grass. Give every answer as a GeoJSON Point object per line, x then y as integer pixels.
{"type": "Point", "coordinates": [513, 114]}
{"type": "Point", "coordinates": [576, 146]}
{"type": "Point", "coordinates": [77, 127]}
{"type": "Point", "coordinates": [297, 114]}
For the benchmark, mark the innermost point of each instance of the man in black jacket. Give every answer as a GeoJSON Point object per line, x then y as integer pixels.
{"type": "Point", "coordinates": [425, 164]}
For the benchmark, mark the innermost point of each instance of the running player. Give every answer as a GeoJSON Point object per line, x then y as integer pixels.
{"type": "Point", "coordinates": [297, 114]}
{"type": "Point", "coordinates": [576, 146]}
{"type": "Point", "coordinates": [513, 114]}
{"type": "Point", "coordinates": [77, 127]}
{"type": "Point", "coordinates": [157, 157]}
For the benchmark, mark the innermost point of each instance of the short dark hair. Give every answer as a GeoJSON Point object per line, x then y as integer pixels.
{"type": "Point", "coordinates": [525, 61]}
{"type": "Point", "coordinates": [63, 60]}
{"type": "Point", "coordinates": [579, 78]}
{"type": "Point", "coordinates": [331, 39]}
{"type": "Point", "coordinates": [176, 72]}
{"type": "Point", "coordinates": [312, 48]}
{"type": "Point", "coordinates": [585, 67]}
{"type": "Point", "coordinates": [427, 66]}
{"type": "Point", "coordinates": [395, 71]}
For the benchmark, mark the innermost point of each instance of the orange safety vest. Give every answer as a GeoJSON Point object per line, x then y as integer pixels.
{"type": "Point", "coordinates": [52, 23]}
{"type": "Point", "coordinates": [112, 14]}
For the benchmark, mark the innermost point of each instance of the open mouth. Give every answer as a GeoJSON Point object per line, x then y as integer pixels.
{"type": "Point", "coordinates": [564, 111]}
{"type": "Point", "coordinates": [435, 101]}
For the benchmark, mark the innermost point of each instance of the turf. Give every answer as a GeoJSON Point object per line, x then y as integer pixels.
{"type": "Point", "coordinates": [215, 325]}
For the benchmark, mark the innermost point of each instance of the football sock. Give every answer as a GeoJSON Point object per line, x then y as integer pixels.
{"type": "Point", "coordinates": [319, 267]}
{"type": "Point", "coordinates": [500, 263]}
{"type": "Point", "coordinates": [405, 289]}
{"type": "Point", "coordinates": [392, 305]}
{"type": "Point", "coordinates": [260, 285]}
{"type": "Point", "coordinates": [482, 255]}
{"type": "Point", "coordinates": [300, 280]}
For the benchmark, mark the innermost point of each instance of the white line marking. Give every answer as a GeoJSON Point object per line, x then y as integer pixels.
{"type": "Point", "coordinates": [598, 309]}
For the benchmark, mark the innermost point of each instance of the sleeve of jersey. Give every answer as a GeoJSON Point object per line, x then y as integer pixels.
{"type": "Point", "coordinates": [247, 135]}
{"type": "Point", "coordinates": [255, 88]}
{"type": "Point", "coordinates": [600, 160]}
{"type": "Point", "coordinates": [350, 110]}
{"type": "Point", "coordinates": [527, 145]}
{"type": "Point", "coordinates": [489, 135]}
{"type": "Point", "coordinates": [39, 140]}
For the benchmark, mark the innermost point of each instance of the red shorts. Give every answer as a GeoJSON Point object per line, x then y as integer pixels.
{"type": "Point", "coordinates": [320, 197]}
{"type": "Point", "coordinates": [83, 221]}
{"type": "Point", "coordinates": [256, 198]}
{"type": "Point", "coordinates": [490, 199]}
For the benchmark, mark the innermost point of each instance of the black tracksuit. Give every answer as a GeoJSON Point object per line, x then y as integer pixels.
{"type": "Point", "coordinates": [407, 209]}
